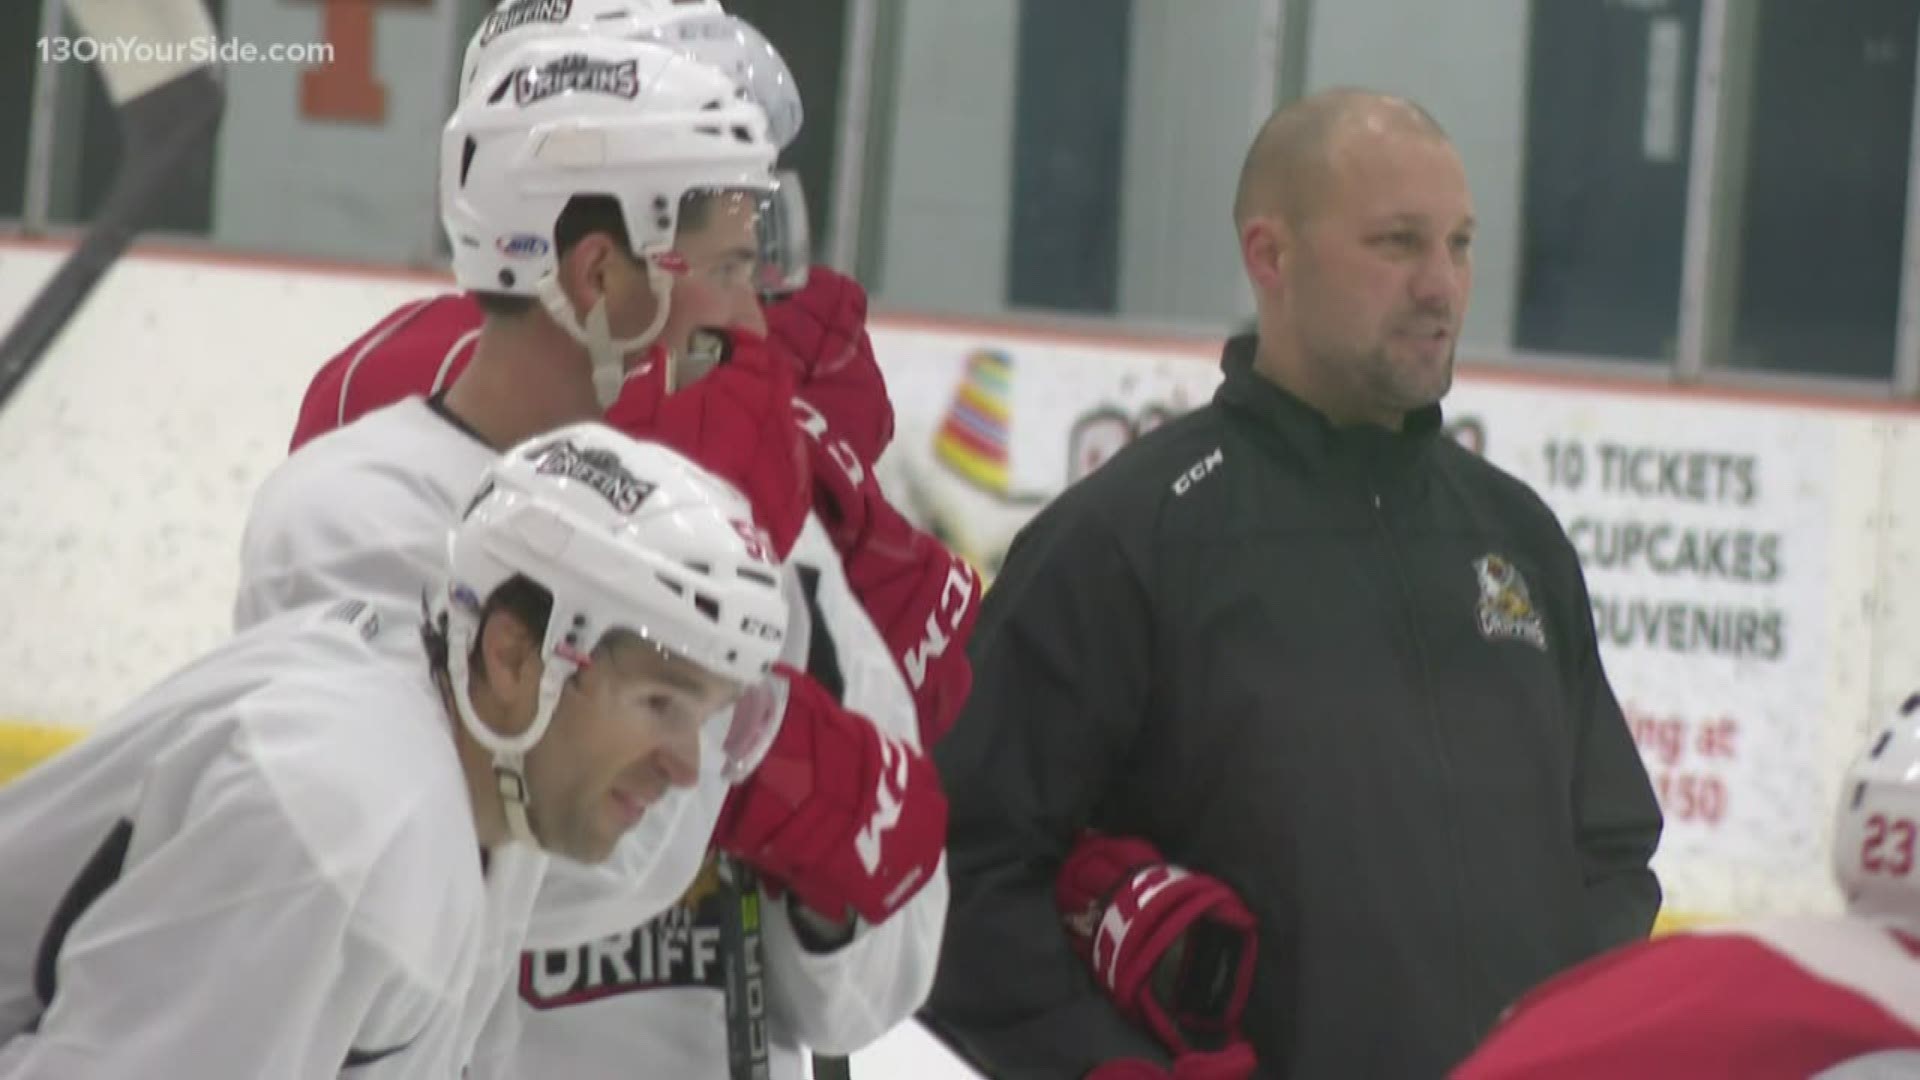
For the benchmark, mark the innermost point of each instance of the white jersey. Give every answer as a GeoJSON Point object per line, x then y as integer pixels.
{"type": "Point", "coordinates": [366, 508]}
{"type": "Point", "coordinates": [265, 866]}
{"type": "Point", "coordinates": [364, 514]}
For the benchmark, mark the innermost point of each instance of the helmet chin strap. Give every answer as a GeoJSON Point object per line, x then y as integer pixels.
{"type": "Point", "coordinates": [606, 354]}
{"type": "Point", "coordinates": [510, 778]}
{"type": "Point", "coordinates": [509, 761]}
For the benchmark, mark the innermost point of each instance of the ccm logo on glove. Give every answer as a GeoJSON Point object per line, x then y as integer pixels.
{"type": "Point", "coordinates": [886, 800]}
{"type": "Point", "coordinates": [846, 818]}
{"type": "Point", "coordinates": [1138, 895]}
{"type": "Point", "coordinates": [955, 595]}
{"type": "Point", "coordinates": [815, 426]}
{"type": "Point", "coordinates": [1174, 949]}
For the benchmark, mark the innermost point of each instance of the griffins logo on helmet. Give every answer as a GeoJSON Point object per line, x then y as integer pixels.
{"type": "Point", "coordinates": [576, 71]}
{"type": "Point", "coordinates": [521, 12]}
{"type": "Point", "coordinates": [598, 469]}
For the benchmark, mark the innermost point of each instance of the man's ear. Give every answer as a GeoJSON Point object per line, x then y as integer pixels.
{"type": "Point", "coordinates": [511, 655]}
{"type": "Point", "coordinates": [1266, 241]}
{"type": "Point", "coordinates": [583, 270]}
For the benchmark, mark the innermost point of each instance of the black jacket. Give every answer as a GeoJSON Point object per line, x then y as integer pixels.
{"type": "Point", "coordinates": [1351, 673]}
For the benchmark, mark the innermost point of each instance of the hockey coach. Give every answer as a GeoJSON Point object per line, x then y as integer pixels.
{"type": "Point", "coordinates": [1301, 642]}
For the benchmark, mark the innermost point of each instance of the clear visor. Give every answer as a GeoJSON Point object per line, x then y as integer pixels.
{"type": "Point", "coordinates": [787, 233]}
{"type": "Point", "coordinates": [675, 696]}
{"type": "Point", "coordinates": [753, 238]}
{"type": "Point", "coordinates": [745, 732]}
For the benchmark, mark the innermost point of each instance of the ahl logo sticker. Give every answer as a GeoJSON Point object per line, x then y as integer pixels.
{"type": "Point", "coordinates": [1506, 609]}
{"type": "Point", "coordinates": [522, 246]}
{"type": "Point", "coordinates": [598, 469]}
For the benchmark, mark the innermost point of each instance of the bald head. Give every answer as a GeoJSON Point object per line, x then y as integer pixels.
{"type": "Point", "coordinates": [1287, 165]}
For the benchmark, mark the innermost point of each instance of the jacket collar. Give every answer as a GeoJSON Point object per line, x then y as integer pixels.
{"type": "Point", "coordinates": [1381, 454]}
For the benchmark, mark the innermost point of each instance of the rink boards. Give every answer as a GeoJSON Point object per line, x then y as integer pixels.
{"type": "Point", "coordinates": [1754, 559]}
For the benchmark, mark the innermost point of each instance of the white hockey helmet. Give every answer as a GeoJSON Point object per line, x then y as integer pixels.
{"type": "Point", "coordinates": [625, 536]}
{"type": "Point", "coordinates": [1876, 852]}
{"type": "Point", "coordinates": [700, 28]}
{"type": "Point", "coordinates": [563, 117]}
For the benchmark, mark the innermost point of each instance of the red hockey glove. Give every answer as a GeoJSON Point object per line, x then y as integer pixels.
{"type": "Point", "coordinates": [736, 420]}
{"type": "Point", "coordinates": [1236, 1062]}
{"type": "Point", "coordinates": [823, 330]}
{"type": "Point", "coordinates": [1173, 948]}
{"type": "Point", "coordinates": [838, 813]}
{"type": "Point", "coordinates": [922, 598]}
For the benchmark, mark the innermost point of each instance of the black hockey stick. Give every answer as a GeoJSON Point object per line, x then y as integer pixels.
{"type": "Point", "coordinates": [746, 973]}
{"type": "Point", "coordinates": [162, 131]}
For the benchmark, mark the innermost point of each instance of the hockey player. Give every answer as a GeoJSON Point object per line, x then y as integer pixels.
{"type": "Point", "coordinates": [293, 858]}
{"type": "Point", "coordinates": [921, 596]}
{"type": "Point", "coordinates": [1787, 998]}
{"type": "Point", "coordinates": [846, 819]}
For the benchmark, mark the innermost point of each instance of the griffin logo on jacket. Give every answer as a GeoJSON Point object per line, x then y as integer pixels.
{"type": "Point", "coordinates": [680, 949]}
{"type": "Point", "coordinates": [1506, 607]}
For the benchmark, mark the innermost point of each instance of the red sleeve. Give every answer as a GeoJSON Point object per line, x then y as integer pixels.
{"type": "Point", "coordinates": [823, 329]}
{"type": "Point", "coordinates": [1702, 1007]}
{"type": "Point", "coordinates": [418, 348]}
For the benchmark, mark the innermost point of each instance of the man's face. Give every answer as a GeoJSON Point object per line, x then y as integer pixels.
{"type": "Point", "coordinates": [717, 290]}
{"type": "Point", "coordinates": [626, 729]}
{"type": "Point", "coordinates": [1382, 269]}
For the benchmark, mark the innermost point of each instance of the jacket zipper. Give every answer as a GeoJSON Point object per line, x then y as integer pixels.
{"type": "Point", "coordinates": [1468, 959]}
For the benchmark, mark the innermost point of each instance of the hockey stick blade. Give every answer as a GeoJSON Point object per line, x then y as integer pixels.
{"type": "Point", "coordinates": [161, 132]}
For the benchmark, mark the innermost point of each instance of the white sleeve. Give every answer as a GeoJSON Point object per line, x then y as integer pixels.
{"type": "Point", "coordinates": [840, 1001]}
{"type": "Point", "coordinates": [372, 533]}
{"type": "Point", "coordinates": [220, 951]}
